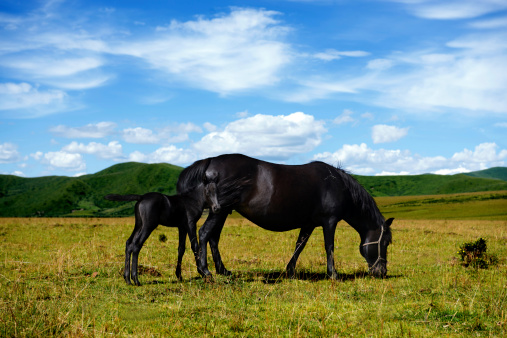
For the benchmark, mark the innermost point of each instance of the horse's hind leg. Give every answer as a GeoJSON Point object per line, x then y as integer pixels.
{"type": "Point", "coordinates": [329, 231]}
{"type": "Point", "coordinates": [304, 234]}
{"type": "Point", "coordinates": [181, 250]}
{"type": "Point", "coordinates": [213, 243]}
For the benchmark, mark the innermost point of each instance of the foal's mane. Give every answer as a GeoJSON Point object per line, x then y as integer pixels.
{"type": "Point", "coordinates": [361, 199]}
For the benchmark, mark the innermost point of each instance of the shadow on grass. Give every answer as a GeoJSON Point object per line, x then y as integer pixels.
{"type": "Point", "coordinates": [274, 277]}
{"type": "Point", "coordinates": [277, 276]}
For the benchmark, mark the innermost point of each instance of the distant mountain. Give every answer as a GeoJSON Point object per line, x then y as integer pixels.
{"type": "Point", "coordinates": [84, 195]}
{"type": "Point", "coordinates": [429, 184]}
{"type": "Point", "coordinates": [499, 173]}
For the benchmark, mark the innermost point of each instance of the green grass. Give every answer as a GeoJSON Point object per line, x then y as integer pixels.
{"type": "Point", "coordinates": [479, 205]}
{"type": "Point", "coordinates": [62, 276]}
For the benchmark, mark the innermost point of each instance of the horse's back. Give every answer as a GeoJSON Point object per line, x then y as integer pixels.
{"type": "Point", "coordinates": [279, 197]}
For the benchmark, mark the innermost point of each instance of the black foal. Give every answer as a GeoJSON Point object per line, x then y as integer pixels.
{"type": "Point", "coordinates": [154, 208]}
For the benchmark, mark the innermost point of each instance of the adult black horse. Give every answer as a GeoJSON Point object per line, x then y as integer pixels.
{"type": "Point", "coordinates": [285, 197]}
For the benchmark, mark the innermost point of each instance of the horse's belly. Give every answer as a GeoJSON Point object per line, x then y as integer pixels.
{"type": "Point", "coordinates": [275, 221]}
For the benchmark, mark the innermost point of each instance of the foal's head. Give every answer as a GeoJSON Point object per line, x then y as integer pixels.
{"type": "Point", "coordinates": [374, 248]}
{"type": "Point", "coordinates": [210, 194]}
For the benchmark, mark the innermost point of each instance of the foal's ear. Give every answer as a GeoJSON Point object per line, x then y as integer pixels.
{"type": "Point", "coordinates": [389, 222]}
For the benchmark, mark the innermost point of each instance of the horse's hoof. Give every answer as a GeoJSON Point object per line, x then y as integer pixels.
{"type": "Point", "coordinates": [333, 276]}
{"type": "Point", "coordinates": [224, 272]}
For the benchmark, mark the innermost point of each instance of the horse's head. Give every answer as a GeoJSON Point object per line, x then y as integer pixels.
{"type": "Point", "coordinates": [374, 248]}
{"type": "Point", "coordinates": [210, 192]}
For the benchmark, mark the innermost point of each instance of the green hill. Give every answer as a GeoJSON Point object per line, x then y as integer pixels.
{"type": "Point", "coordinates": [499, 173]}
{"type": "Point", "coordinates": [429, 184]}
{"type": "Point", "coordinates": [84, 195]}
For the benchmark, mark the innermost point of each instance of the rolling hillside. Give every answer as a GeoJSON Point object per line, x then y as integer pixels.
{"type": "Point", "coordinates": [83, 196]}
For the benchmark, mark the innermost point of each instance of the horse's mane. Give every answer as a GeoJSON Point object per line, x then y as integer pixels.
{"type": "Point", "coordinates": [192, 176]}
{"type": "Point", "coordinates": [360, 197]}
{"type": "Point", "coordinates": [230, 190]}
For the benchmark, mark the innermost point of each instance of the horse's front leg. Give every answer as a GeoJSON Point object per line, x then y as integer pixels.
{"type": "Point", "coordinates": [329, 231]}
{"type": "Point", "coordinates": [206, 232]}
{"type": "Point", "coordinates": [304, 234]}
{"type": "Point", "coordinates": [213, 243]}
{"type": "Point", "coordinates": [182, 234]}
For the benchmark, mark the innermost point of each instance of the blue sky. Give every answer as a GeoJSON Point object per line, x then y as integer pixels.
{"type": "Point", "coordinates": [380, 87]}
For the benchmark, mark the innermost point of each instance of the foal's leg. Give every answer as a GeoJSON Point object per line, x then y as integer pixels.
{"type": "Point", "coordinates": [181, 250]}
{"type": "Point", "coordinates": [128, 249]}
{"type": "Point", "coordinates": [213, 243]}
{"type": "Point", "coordinates": [304, 234]}
{"type": "Point", "coordinates": [137, 244]}
{"type": "Point", "coordinates": [329, 230]}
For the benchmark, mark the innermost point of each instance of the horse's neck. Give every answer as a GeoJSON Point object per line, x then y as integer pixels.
{"type": "Point", "coordinates": [362, 223]}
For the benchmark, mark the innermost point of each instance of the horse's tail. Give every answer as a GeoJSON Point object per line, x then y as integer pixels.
{"type": "Point", "coordinates": [192, 176]}
{"type": "Point", "coordinates": [116, 197]}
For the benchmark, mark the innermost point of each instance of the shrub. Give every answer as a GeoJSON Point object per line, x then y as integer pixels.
{"type": "Point", "coordinates": [474, 254]}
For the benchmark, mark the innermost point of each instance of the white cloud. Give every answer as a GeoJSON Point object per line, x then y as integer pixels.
{"type": "Point", "coordinates": [454, 171]}
{"type": "Point", "coordinates": [43, 67]}
{"type": "Point", "coordinates": [267, 136]}
{"type": "Point", "coordinates": [64, 160]}
{"type": "Point", "coordinates": [490, 23]}
{"type": "Point", "coordinates": [379, 64]}
{"type": "Point", "coordinates": [483, 156]}
{"type": "Point", "coordinates": [92, 130]}
{"type": "Point", "coordinates": [360, 159]}
{"type": "Point", "coordinates": [29, 101]}
{"type": "Point", "coordinates": [345, 117]}
{"type": "Point", "coordinates": [382, 133]}
{"type": "Point", "coordinates": [209, 126]}
{"type": "Point", "coordinates": [170, 154]}
{"type": "Point", "coordinates": [18, 173]}
{"type": "Point", "coordinates": [9, 153]}
{"type": "Point", "coordinates": [368, 116]}
{"type": "Point", "coordinates": [473, 77]}
{"type": "Point", "coordinates": [139, 135]}
{"type": "Point", "coordinates": [110, 151]}
{"type": "Point", "coordinates": [453, 9]}
{"type": "Point", "coordinates": [333, 54]}
{"type": "Point", "coordinates": [37, 155]}
{"type": "Point", "coordinates": [212, 53]}
{"type": "Point", "coordinates": [174, 133]}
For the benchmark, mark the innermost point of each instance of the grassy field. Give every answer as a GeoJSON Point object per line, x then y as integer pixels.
{"type": "Point", "coordinates": [62, 276]}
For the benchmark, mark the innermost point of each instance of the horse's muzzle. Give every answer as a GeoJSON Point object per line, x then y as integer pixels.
{"type": "Point", "coordinates": [379, 271]}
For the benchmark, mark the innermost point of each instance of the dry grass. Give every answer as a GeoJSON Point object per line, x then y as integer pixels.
{"type": "Point", "coordinates": [63, 277]}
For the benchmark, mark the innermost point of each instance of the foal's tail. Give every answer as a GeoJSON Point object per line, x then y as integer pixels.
{"type": "Point", "coordinates": [115, 197]}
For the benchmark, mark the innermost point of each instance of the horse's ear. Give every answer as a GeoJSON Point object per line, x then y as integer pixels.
{"type": "Point", "coordinates": [389, 222]}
